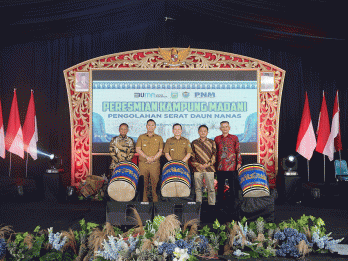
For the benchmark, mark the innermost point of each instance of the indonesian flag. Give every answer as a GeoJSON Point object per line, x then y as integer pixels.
{"type": "Point", "coordinates": [2, 136]}
{"type": "Point", "coordinates": [306, 138]}
{"type": "Point", "coordinates": [337, 141]}
{"type": "Point", "coordinates": [30, 135]}
{"type": "Point", "coordinates": [323, 130]}
{"type": "Point", "coordinates": [335, 127]}
{"type": "Point", "coordinates": [14, 135]}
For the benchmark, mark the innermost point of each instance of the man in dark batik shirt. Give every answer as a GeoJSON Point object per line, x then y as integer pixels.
{"type": "Point", "coordinates": [121, 148]}
{"type": "Point", "coordinates": [229, 160]}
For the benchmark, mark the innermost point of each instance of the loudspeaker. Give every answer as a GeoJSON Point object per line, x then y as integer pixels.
{"type": "Point", "coordinates": [120, 213]}
{"type": "Point", "coordinates": [185, 211]}
{"type": "Point", "coordinates": [292, 188]}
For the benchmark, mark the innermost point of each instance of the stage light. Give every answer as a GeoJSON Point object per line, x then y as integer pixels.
{"type": "Point", "coordinates": [289, 165]}
{"type": "Point", "coordinates": [70, 191]}
{"type": "Point", "coordinates": [56, 164]}
{"type": "Point", "coordinates": [20, 190]}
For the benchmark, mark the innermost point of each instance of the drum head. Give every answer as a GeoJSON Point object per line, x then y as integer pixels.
{"type": "Point", "coordinates": [121, 191]}
{"type": "Point", "coordinates": [175, 189]}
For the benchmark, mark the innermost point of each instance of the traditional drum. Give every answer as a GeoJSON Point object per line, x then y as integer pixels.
{"type": "Point", "coordinates": [176, 179]}
{"type": "Point", "coordinates": [124, 181]}
{"type": "Point", "coordinates": [253, 180]}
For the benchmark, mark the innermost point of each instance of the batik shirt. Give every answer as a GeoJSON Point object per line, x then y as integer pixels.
{"type": "Point", "coordinates": [121, 149]}
{"type": "Point", "coordinates": [228, 152]}
{"type": "Point", "coordinates": [204, 153]}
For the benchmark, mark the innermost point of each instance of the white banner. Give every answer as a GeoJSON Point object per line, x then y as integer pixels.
{"type": "Point", "coordinates": [190, 103]}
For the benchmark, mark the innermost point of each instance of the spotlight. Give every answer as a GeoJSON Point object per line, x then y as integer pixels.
{"type": "Point", "coordinates": [315, 193]}
{"type": "Point", "coordinates": [70, 191]}
{"type": "Point", "coordinates": [20, 190]}
{"type": "Point", "coordinates": [55, 163]}
{"type": "Point", "coordinates": [289, 164]}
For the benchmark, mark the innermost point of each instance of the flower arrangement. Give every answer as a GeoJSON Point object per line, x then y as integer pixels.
{"type": "Point", "coordinates": [164, 238]}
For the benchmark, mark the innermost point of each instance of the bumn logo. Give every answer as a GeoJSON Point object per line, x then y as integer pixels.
{"type": "Point", "coordinates": [204, 94]}
{"type": "Point", "coordinates": [144, 95]}
{"type": "Point", "coordinates": [185, 94]}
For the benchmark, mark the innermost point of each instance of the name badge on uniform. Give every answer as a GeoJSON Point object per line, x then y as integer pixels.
{"type": "Point", "coordinates": [171, 149]}
{"type": "Point", "coordinates": [144, 145]}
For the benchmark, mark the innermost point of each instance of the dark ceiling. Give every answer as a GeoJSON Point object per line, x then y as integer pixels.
{"type": "Point", "coordinates": [304, 24]}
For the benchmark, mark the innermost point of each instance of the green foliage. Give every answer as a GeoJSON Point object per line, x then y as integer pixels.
{"type": "Point", "coordinates": [117, 231]}
{"type": "Point", "coordinates": [53, 255]}
{"type": "Point", "coordinates": [86, 229]}
{"type": "Point", "coordinates": [252, 226]}
{"type": "Point", "coordinates": [99, 258]}
{"type": "Point", "coordinates": [304, 222]}
{"type": "Point", "coordinates": [242, 222]}
{"type": "Point", "coordinates": [181, 234]}
{"type": "Point", "coordinates": [260, 219]}
{"type": "Point", "coordinates": [218, 234]}
{"type": "Point", "coordinates": [192, 258]}
{"type": "Point", "coordinates": [257, 252]}
{"type": "Point", "coordinates": [270, 226]}
{"type": "Point", "coordinates": [20, 251]}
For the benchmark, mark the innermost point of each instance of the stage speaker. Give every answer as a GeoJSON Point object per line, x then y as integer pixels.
{"type": "Point", "coordinates": [292, 189]}
{"type": "Point", "coordinates": [185, 211]}
{"type": "Point", "coordinates": [120, 213]}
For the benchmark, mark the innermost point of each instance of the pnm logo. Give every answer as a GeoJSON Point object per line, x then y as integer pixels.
{"type": "Point", "coordinates": [185, 94]}
{"type": "Point", "coordinates": [174, 95]}
{"type": "Point", "coordinates": [204, 94]}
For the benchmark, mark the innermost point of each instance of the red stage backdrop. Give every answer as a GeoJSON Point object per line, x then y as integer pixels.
{"type": "Point", "coordinates": [79, 87]}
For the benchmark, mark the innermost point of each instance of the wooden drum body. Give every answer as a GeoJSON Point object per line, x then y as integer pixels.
{"type": "Point", "coordinates": [253, 180]}
{"type": "Point", "coordinates": [124, 181]}
{"type": "Point", "coordinates": [176, 179]}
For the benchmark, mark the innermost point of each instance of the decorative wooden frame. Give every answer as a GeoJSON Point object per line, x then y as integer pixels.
{"type": "Point", "coordinates": [80, 103]}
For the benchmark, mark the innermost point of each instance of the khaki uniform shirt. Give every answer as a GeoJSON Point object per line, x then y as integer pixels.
{"type": "Point", "coordinates": [121, 149]}
{"type": "Point", "coordinates": [177, 148]}
{"type": "Point", "coordinates": [150, 145]}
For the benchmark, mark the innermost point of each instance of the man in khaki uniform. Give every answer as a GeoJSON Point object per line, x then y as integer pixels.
{"type": "Point", "coordinates": [177, 147]}
{"type": "Point", "coordinates": [121, 148]}
{"type": "Point", "coordinates": [149, 147]}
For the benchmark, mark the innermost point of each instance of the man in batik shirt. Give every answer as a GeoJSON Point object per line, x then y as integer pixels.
{"type": "Point", "coordinates": [229, 160]}
{"type": "Point", "coordinates": [122, 148]}
{"type": "Point", "coordinates": [203, 160]}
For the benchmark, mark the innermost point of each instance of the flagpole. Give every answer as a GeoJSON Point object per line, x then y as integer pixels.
{"type": "Point", "coordinates": [308, 169]}
{"type": "Point", "coordinates": [9, 171]}
{"type": "Point", "coordinates": [340, 162]}
{"type": "Point", "coordinates": [324, 167]}
{"type": "Point", "coordinates": [26, 167]}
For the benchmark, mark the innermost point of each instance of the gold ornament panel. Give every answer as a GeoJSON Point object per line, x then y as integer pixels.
{"type": "Point", "coordinates": [80, 103]}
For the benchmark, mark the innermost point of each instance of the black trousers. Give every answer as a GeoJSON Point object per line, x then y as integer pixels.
{"type": "Point", "coordinates": [232, 177]}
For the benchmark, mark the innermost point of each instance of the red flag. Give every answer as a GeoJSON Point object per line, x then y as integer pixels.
{"type": "Point", "coordinates": [30, 134]}
{"type": "Point", "coordinates": [14, 134]}
{"type": "Point", "coordinates": [306, 138]}
{"type": "Point", "coordinates": [335, 126]}
{"type": "Point", "coordinates": [323, 130]}
{"type": "Point", "coordinates": [2, 136]}
{"type": "Point", "coordinates": [338, 141]}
